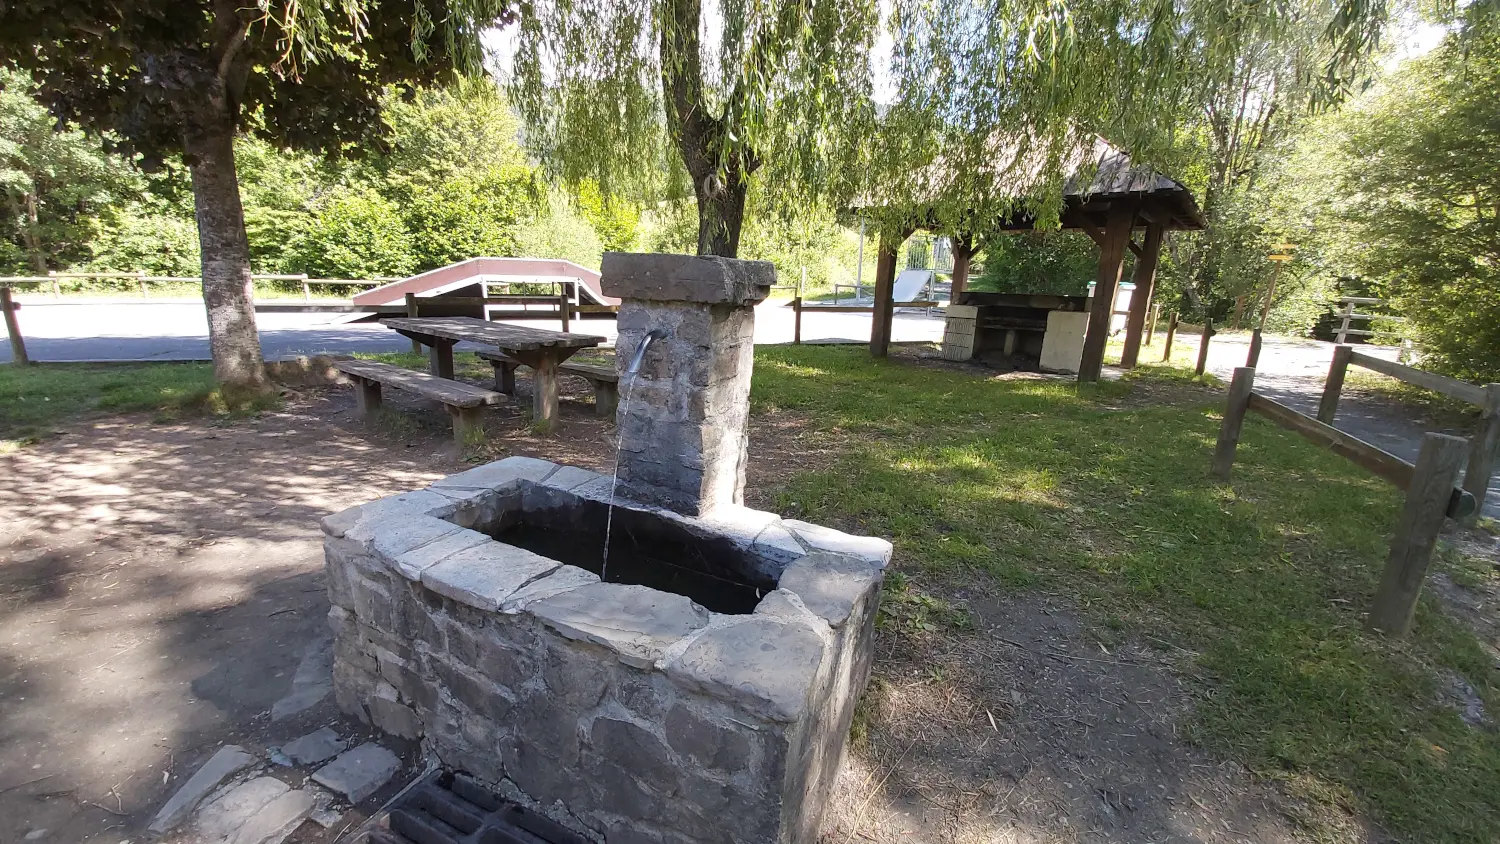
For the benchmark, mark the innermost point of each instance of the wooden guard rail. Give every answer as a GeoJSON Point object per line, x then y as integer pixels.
{"type": "Point", "coordinates": [141, 279]}
{"type": "Point", "coordinates": [1430, 484]}
{"type": "Point", "coordinates": [1483, 446]}
{"type": "Point", "coordinates": [798, 307]}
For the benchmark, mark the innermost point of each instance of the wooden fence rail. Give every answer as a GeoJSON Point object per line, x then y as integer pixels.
{"type": "Point", "coordinates": [798, 306]}
{"type": "Point", "coordinates": [1484, 445]}
{"type": "Point", "coordinates": [142, 279]}
{"type": "Point", "coordinates": [1430, 484]}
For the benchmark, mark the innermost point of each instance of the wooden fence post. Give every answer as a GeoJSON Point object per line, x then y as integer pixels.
{"type": "Point", "coordinates": [1239, 315]}
{"type": "Point", "coordinates": [1483, 448]}
{"type": "Point", "coordinates": [1348, 314]}
{"type": "Point", "coordinates": [1422, 520]}
{"type": "Point", "coordinates": [56, 290]}
{"type": "Point", "coordinates": [140, 281]}
{"type": "Point", "coordinates": [1253, 359]}
{"type": "Point", "coordinates": [1151, 323]}
{"type": "Point", "coordinates": [1166, 353]}
{"type": "Point", "coordinates": [306, 289]}
{"type": "Point", "coordinates": [13, 327]}
{"type": "Point", "coordinates": [1328, 405]}
{"type": "Point", "coordinates": [564, 304]}
{"type": "Point", "coordinates": [411, 311]}
{"type": "Point", "coordinates": [1234, 419]}
{"type": "Point", "coordinates": [797, 320]}
{"type": "Point", "coordinates": [1208, 331]}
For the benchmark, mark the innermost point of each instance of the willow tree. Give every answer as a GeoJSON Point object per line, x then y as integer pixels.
{"type": "Point", "coordinates": [171, 77]}
{"type": "Point", "coordinates": [608, 87]}
{"type": "Point", "coordinates": [993, 101]}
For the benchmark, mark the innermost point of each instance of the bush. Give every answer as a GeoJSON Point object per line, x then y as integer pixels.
{"type": "Point", "coordinates": [470, 215]}
{"type": "Point", "coordinates": [355, 234]}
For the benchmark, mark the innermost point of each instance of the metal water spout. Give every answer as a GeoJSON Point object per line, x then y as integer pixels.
{"type": "Point", "coordinates": [640, 352]}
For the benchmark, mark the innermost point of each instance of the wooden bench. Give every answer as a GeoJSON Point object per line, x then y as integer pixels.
{"type": "Point", "coordinates": [464, 402]}
{"type": "Point", "coordinates": [604, 379]}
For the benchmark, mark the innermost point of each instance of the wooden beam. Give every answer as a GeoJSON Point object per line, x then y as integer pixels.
{"type": "Point", "coordinates": [1377, 460]}
{"type": "Point", "coordinates": [1461, 390]}
{"type": "Point", "coordinates": [1111, 259]}
{"type": "Point", "coordinates": [885, 282]}
{"type": "Point", "coordinates": [1097, 236]}
{"type": "Point", "coordinates": [1140, 300]}
{"type": "Point", "coordinates": [963, 254]}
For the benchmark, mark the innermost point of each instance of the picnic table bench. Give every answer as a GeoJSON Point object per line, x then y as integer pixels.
{"type": "Point", "coordinates": [604, 379]}
{"type": "Point", "coordinates": [464, 402]}
{"type": "Point", "coordinates": [538, 348]}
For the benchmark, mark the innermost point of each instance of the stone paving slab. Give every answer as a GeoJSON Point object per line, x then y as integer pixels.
{"type": "Point", "coordinates": [317, 746]}
{"type": "Point", "coordinates": [360, 772]}
{"type": "Point", "coordinates": [228, 760]}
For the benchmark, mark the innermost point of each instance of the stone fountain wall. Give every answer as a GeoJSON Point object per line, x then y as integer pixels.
{"type": "Point", "coordinates": [629, 714]}
{"type": "Point", "coordinates": [682, 431]}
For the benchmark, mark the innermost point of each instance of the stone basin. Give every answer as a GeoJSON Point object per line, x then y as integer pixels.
{"type": "Point", "coordinates": [700, 692]}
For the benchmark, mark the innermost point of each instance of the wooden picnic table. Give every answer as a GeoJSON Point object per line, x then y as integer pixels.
{"type": "Point", "coordinates": [538, 348]}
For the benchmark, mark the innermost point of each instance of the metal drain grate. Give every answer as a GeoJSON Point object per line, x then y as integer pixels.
{"type": "Point", "coordinates": [449, 809]}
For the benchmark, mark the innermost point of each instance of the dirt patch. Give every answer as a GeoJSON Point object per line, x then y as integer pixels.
{"type": "Point", "coordinates": [1029, 729]}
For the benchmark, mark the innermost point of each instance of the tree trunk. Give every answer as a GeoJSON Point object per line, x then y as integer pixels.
{"type": "Point", "coordinates": [208, 141]}
{"type": "Point", "coordinates": [31, 234]}
{"type": "Point", "coordinates": [721, 214]}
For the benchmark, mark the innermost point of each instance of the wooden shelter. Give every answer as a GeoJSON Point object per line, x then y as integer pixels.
{"type": "Point", "coordinates": [1109, 199]}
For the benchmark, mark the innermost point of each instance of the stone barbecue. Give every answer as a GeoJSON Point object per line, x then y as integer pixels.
{"type": "Point", "coordinates": [702, 688]}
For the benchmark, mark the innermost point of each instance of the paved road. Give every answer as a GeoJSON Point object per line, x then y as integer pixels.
{"type": "Point", "coordinates": [179, 331]}
{"type": "Point", "coordinates": [1290, 370]}
{"type": "Point", "coordinates": [1293, 372]}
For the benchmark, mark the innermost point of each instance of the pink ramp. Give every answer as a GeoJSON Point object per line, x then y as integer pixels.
{"type": "Point", "coordinates": [476, 270]}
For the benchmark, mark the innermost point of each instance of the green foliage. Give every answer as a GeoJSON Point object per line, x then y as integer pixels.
{"type": "Point", "coordinates": [1400, 190]}
{"type": "Point", "coordinates": [1038, 262]}
{"type": "Point", "coordinates": [355, 234]}
{"type": "Point", "coordinates": [561, 232]}
{"type": "Point", "coordinates": [156, 237]}
{"type": "Point", "coordinates": [469, 215]}
{"type": "Point", "coordinates": [58, 187]}
{"type": "Point", "coordinates": [615, 221]}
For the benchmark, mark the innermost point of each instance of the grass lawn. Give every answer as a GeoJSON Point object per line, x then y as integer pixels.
{"type": "Point", "coordinates": [35, 398]}
{"type": "Point", "coordinates": [1102, 495]}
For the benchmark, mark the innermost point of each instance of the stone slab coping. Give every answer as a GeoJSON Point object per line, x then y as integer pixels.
{"type": "Point", "coordinates": [765, 661]}
{"type": "Point", "coordinates": [706, 280]}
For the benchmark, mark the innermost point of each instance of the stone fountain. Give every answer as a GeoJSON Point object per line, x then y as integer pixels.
{"type": "Point", "coordinates": [702, 691]}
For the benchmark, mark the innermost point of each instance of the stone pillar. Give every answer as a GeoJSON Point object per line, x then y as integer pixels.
{"type": "Point", "coordinates": [682, 418]}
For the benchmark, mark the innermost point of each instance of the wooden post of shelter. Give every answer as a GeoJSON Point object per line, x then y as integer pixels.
{"type": "Point", "coordinates": [1427, 503]}
{"type": "Point", "coordinates": [1484, 446]}
{"type": "Point", "coordinates": [1140, 301]}
{"type": "Point", "coordinates": [1113, 242]}
{"type": "Point", "coordinates": [13, 327]}
{"type": "Point", "coordinates": [797, 321]}
{"type": "Point", "coordinates": [1151, 323]}
{"type": "Point", "coordinates": [1208, 332]}
{"type": "Point", "coordinates": [963, 255]}
{"type": "Point", "coordinates": [885, 283]}
{"type": "Point", "coordinates": [564, 305]}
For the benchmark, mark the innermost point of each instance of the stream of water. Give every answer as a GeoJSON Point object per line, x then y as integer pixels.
{"type": "Point", "coordinates": [614, 481]}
